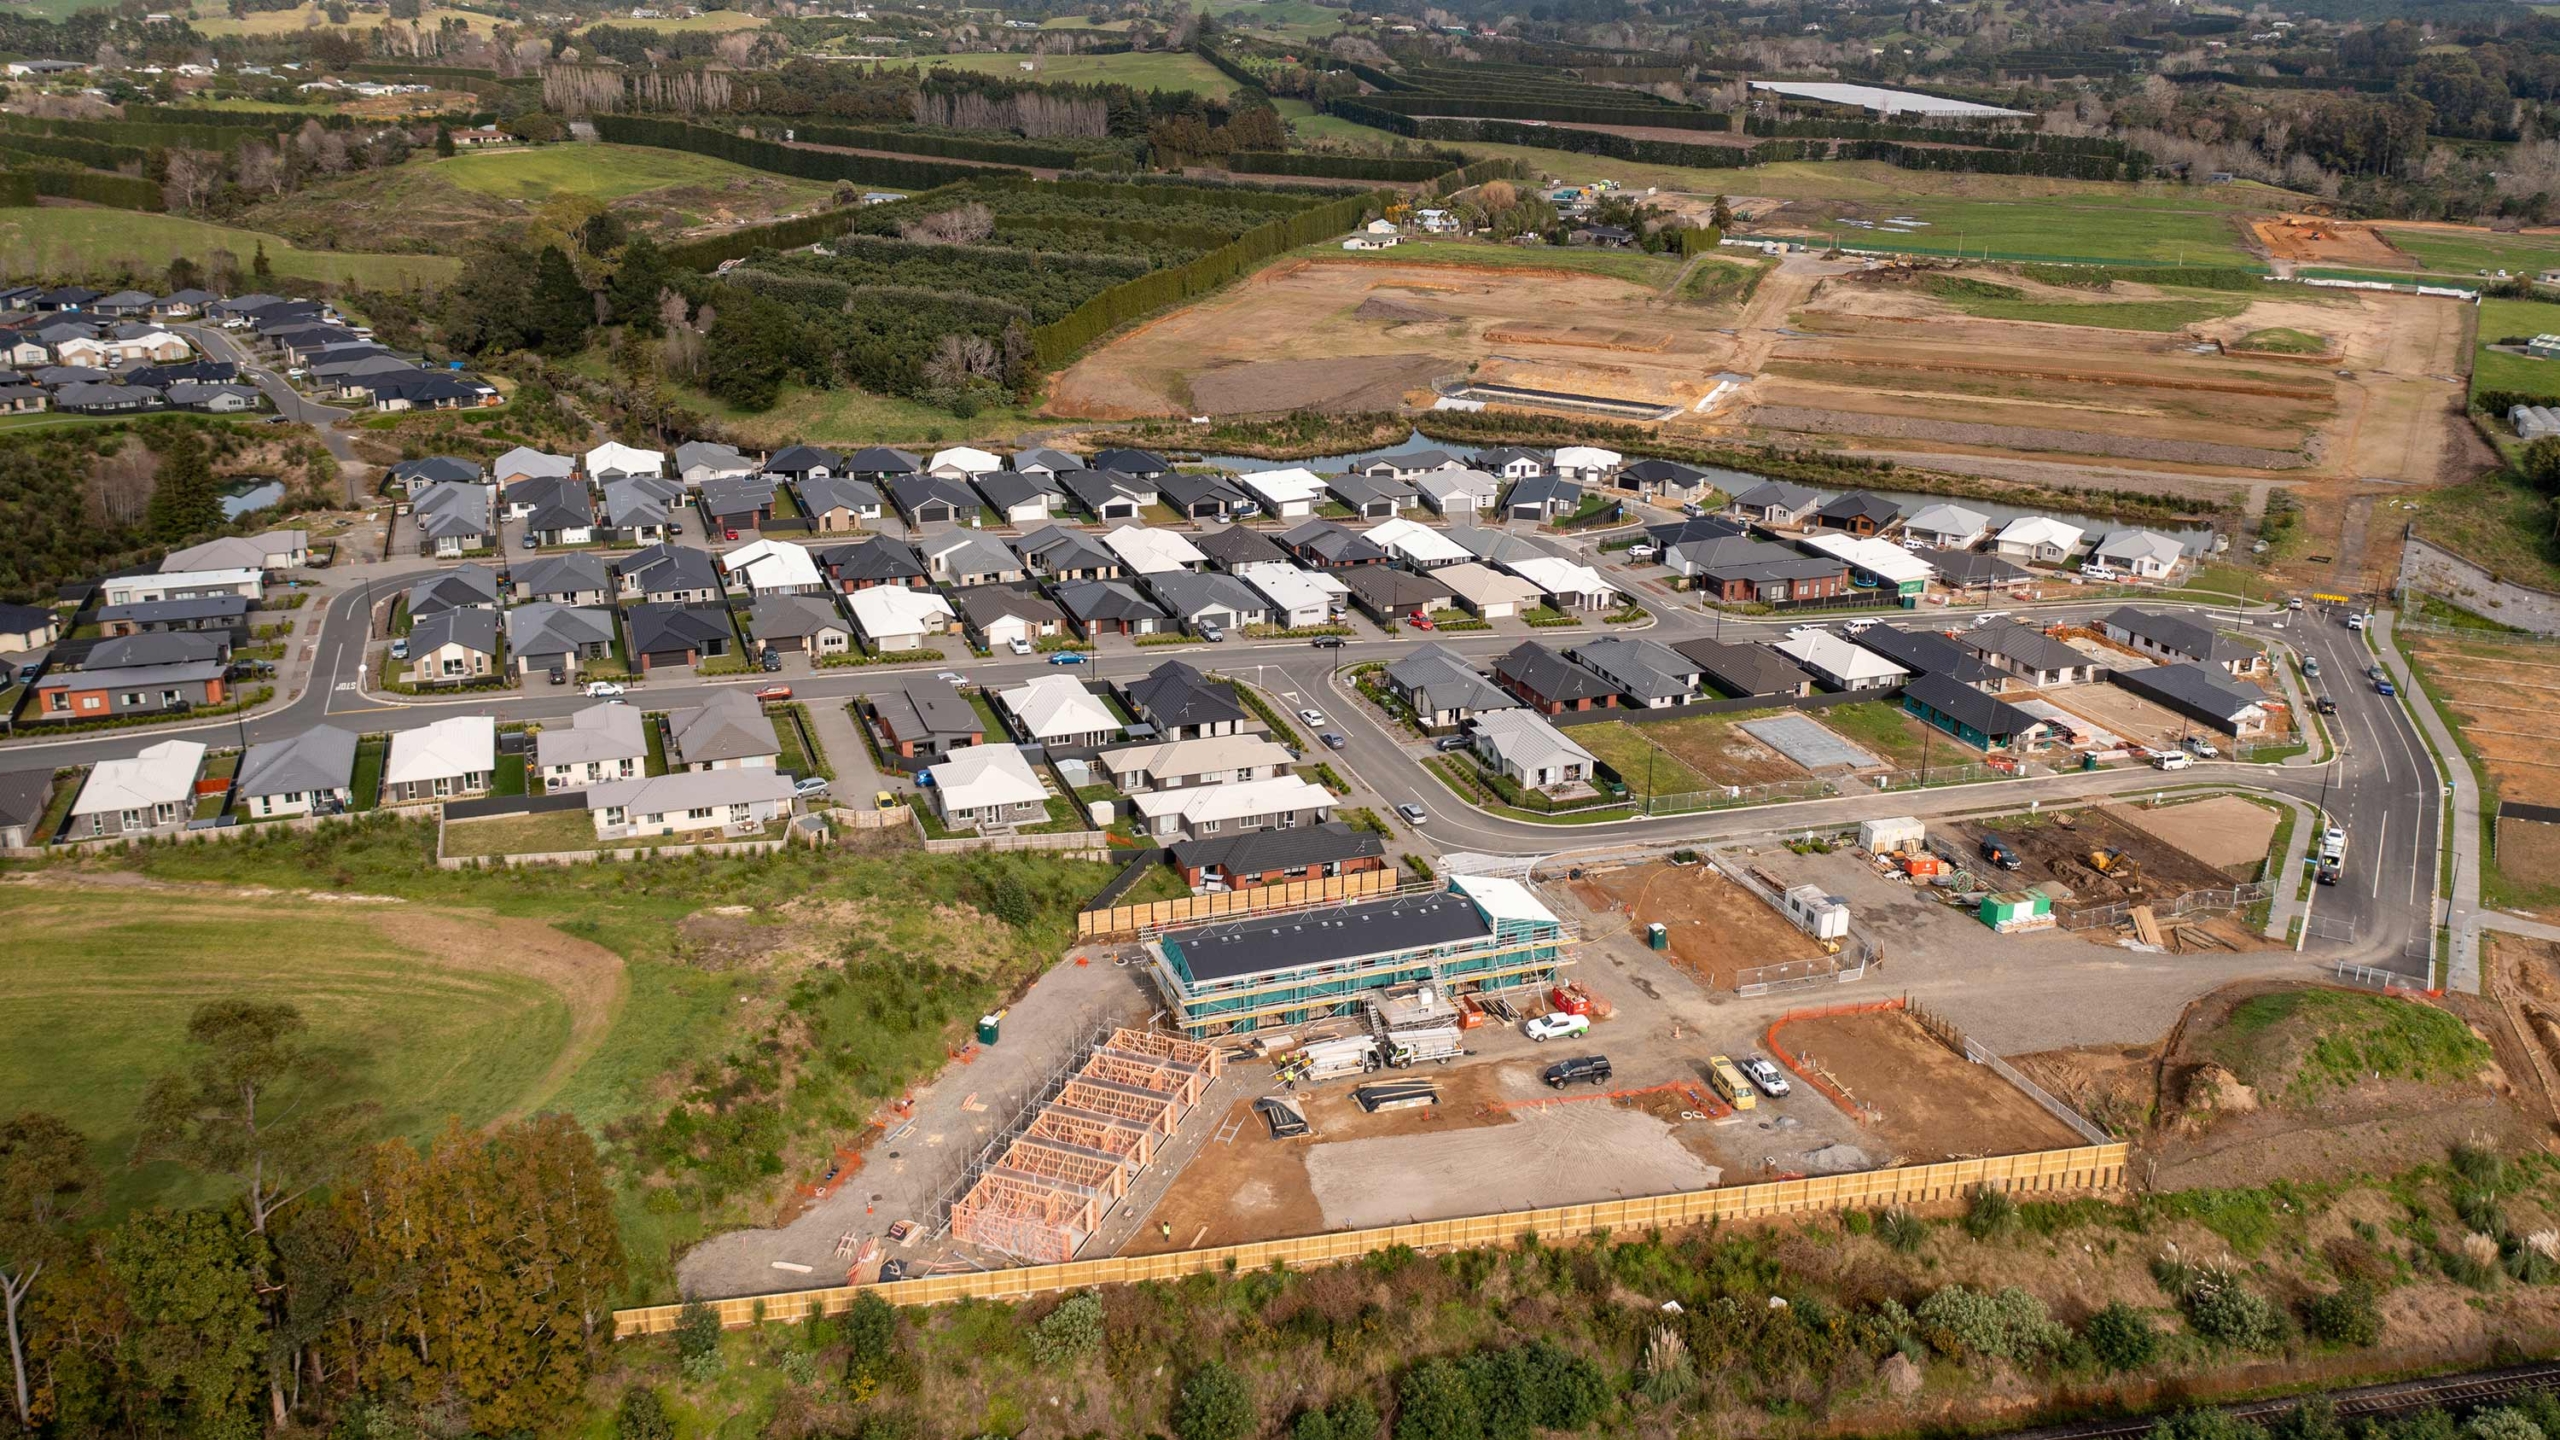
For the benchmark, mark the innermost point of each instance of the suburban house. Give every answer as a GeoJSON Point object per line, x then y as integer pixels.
{"type": "Point", "coordinates": [1019, 497]}
{"type": "Point", "coordinates": [1181, 764]}
{"type": "Point", "coordinates": [1486, 592]}
{"type": "Point", "coordinates": [2143, 554]}
{"type": "Point", "coordinates": [1567, 585]}
{"type": "Point", "coordinates": [799, 625]}
{"type": "Point", "coordinates": [599, 743]}
{"type": "Point", "coordinates": [1058, 712]}
{"type": "Point", "coordinates": [25, 798]}
{"type": "Point", "coordinates": [1929, 652]}
{"type": "Point", "coordinates": [1549, 683]}
{"type": "Point", "coordinates": [698, 461]}
{"type": "Point", "coordinates": [1278, 857]}
{"type": "Point", "coordinates": [412, 476]}
{"type": "Point", "coordinates": [890, 619]}
{"type": "Point", "coordinates": [311, 774]}
{"type": "Point", "coordinates": [1232, 547]}
{"type": "Point", "coordinates": [1152, 552]}
{"type": "Point", "coordinates": [1291, 493]}
{"type": "Point", "coordinates": [1412, 465]}
{"type": "Point", "coordinates": [1972, 572]}
{"type": "Point", "coordinates": [1417, 544]}
{"type": "Point", "coordinates": [1283, 802]}
{"type": "Point", "coordinates": [1444, 690]}
{"type": "Point", "coordinates": [877, 561]}
{"type": "Point", "coordinates": [1109, 494]}
{"type": "Point", "coordinates": [1145, 464]}
{"type": "Point", "coordinates": [1881, 564]}
{"type": "Point", "coordinates": [1208, 602]}
{"type": "Point", "coordinates": [801, 463]}
{"type": "Point", "coordinates": [1745, 670]}
{"type": "Point", "coordinates": [2030, 654]}
{"type": "Point", "coordinates": [1534, 754]}
{"type": "Point", "coordinates": [1512, 462]}
{"type": "Point", "coordinates": [1460, 494]}
{"type": "Point", "coordinates": [836, 504]}
{"type": "Point", "coordinates": [1107, 607]}
{"type": "Point", "coordinates": [773, 567]}
{"type": "Point", "coordinates": [180, 585]}
{"type": "Point", "coordinates": [962, 462]}
{"type": "Point", "coordinates": [729, 731]}
{"type": "Point", "coordinates": [961, 558]}
{"type": "Point", "coordinates": [615, 458]}
{"type": "Point", "coordinates": [1006, 615]}
{"type": "Point", "coordinates": [153, 790]}
{"type": "Point", "coordinates": [1649, 674]}
{"type": "Point", "coordinates": [1062, 554]}
{"type": "Point", "coordinates": [1388, 594]}
{"type": "Point", "coordinates": [635, 512]}
{"type": "Point", "coordinates": [564, 580]}
{"type": "Point", "coordinates": [1300, 600]}
{"type": "Point", "coordinates": [986, 787]}
{"type": "Point", "coordinates": [2171, 638]}
{"type": "Point", "coordinates": [880, 463]}
{"type": "Point", "coordinates": [453, 757]}
{"type": "Point", "coordinates": [544, 636]}
{"type": "Point", "coordinates": [661, 635]}
{"type": "Point", "coordinates": [744, 502]}
{"type": "Point", "coordinates": [1542, 497]}
{"type": "Point", "coordinates": [1372, 497]}
{"type": "Point", "coordinates": [2037, 540]}
{"type": "Point", "coordinates": [669, 575]}
{"type": "Point", "coordinates": [275, 550]}
{"type": "Point", "coordinates": [1665, 479]}
{"type": "Point", "coordinates": [1587, 463]}
{"type": "Point", "coordinates": [1839, 664]}
{"type": "Point", "coordinates": [168, 647]}
{"type": "Point", "coordinates": [468, 586]}
{"type": "Point", "coordinates": [731, 801]}
{"type": "Point", "coordinates": [1497, 547]}
{"type": "Point", "coordinates": [920, 719]}
{"type": "Point", "coordinates": [2201, 693]}
{"type": "Point", "coordinates": [1982, 721]}
{"type": "Point", "coordinates": [226, 613]}
{"type": "Point", "coordinates": [554, 512]}
{"type": "Point", "coordinates": [934, 500]}
{"type": "Point", "coordinates": [1947, 527]}
{"type": "Point", "coordinates": [452, 646]}
{"type": "Point", "coordinates": [1205, 497]}
{"type": "Point", "coordinates": [1857, 513]}
{"type": "Point", "coordinates": [453, 518]}
{"type": "Point", "coordinates": [1045, 460]}
{"type": "Point", "coordinates": [1776, 503]}
{"type": "Point", "coordinates": [1184, 704]}
{"type": "Point", "coordinates": [26, 627]}
{"type": "Point", "coordinates": [1736, 570]}
{"type": "Point", "coordinates": [1327, 546]}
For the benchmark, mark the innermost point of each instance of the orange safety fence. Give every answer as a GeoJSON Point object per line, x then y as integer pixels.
{"type": "Point", "coordinates": [1807, 1073]}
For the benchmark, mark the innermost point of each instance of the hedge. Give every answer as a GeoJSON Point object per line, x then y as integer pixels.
{"type": "Point", "coordinates": [1379, 79]}
{"type": "Point", "coordinates": [267, 121]}
{"type": "Point", "coordinates": [1153, 232]}
{"type": "Point", "coordinates": [784, 160]}
{"type": "Point", "coordinates": [1500, 168]}
{"type": "Point", "coordinates": [1373, 117]}
{"type": "Point", "coordinates": [1469, 107]}
{"type": "Point", "coordinates": [949, 147]}
{"type": "Point", "coordinates": [1724, 157]}
{"type": "Point", "coordinates": [1340, 167]}
{"type": "Point", "coordinates": [96, 154]}
{"type": "Point", "coordinates": [2499, 402]}
{"type": "Point", "coordinates": [17, 190]}
{"type": "Point", "coordinates": [136, 132]}
{"type": "Point", "coordinates": [98, 187]}
{"type": "Point", "coordinates": [1250, 83]}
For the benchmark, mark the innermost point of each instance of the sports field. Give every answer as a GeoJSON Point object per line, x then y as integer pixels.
{"type": "Point", "coordinates": [443, 1014]}
{"type": "Point", "coordinates": [1141, 70]}
{"type": "Point", "coordinates": [67, 241]}
{"type": "Point", "coordinates": [604, 172]}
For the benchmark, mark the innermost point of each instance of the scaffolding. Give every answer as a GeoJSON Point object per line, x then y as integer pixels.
{"type": "Point", "coordinates": [1040, 1192]}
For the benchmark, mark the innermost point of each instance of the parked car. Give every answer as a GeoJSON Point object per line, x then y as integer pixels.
{"type": "Point", "coordinates": [559, 675]}
{"type": "Point", "coordinates": [2201, 748]}
{"type": "Point", "coordinates": [774, 692]}
{"type": "Point", "coordinates": [2097, 572]}
{"type": "Point", "coordinates": [1414, 814]}
{"type": "Point", "coordinates": [2172, 760]}
{"type": "Point", "coordinates": [1018, 646]}
{"type": "Point", "coordinates": [400, 648]}
{"type": "Point", "coordinates": [1588, 1069]}
{"type": "Point", "coordinates": [1559, 1026]}
{"type": "Point", "coordinates": [1212, 634]}
{"type": "Point", "coordinates": [532, 544]}
{"type": "Point", "coordinates": [1326, 642]}
{"type": "Point", "coordinates": [1766, 1076]}
{"type": "Point", "coordinates": [1067, 657]}
{"type": "Point", "coordinates": [771, 662]}
{"type": "Point", "coordinates": [1331, 740]}
{"type": "Point", "coordinates": [728, 534]}
{"type": "Point", "coordinates": [1447, 743]}
{"type": "Point", "coordinates": [951, 677]}
{"type": "Point", "coordinates": [1639, 552]}
{"type": "Point", "coordinates": [603, 690]}
{"type": "Point", "coordinates": [887, 800]}
{"type": "Point", "coordinates": [808, 787]}
{"type": "Point", "coordinates": [1419, 622]}
{"type": "Point", "coordinates": [1312, 717]}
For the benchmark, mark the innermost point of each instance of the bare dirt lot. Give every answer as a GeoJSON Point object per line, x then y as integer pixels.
{"type": "Point", "coordinates": [2316, 240]}
{"type": "Point", "coordinates": [1715, 746]}
{"type": "Point", "coordinates": [2057, 844]}
{"type": "Point", "coordinates": [2503, 695]}
{"type": "Point", "coordinates": [2223, 831]}
{"type": "Point", "coordinates": [1717, 927]}
{"type": "Point", "coordinates": [1926, 1103]}
{"type": "Point", "coordinates": [1295, 335]}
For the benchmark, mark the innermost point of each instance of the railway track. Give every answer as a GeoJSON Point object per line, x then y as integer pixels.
{"type": "Point", "coordinates": [2479, 1387]}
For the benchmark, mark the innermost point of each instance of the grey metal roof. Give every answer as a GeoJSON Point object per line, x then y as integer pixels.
{"type": "Point", "coordinates": [1551, 676]}
{"type": "Point", "coordinates": [983, 604]}
{"type": "Point", "coordinates": [919, 709]}
{"type": "Point", "coordinates": [155, 647]}
{"type": "Point", "coordinates": [2179, 634]}
{"type": "Point", "coordinates": [1106, 600]}
{"type": "Point", "coordinates": [795, 615]}
{"type": "Point", "coordinates": [465, 586]}
{"type": "Point", "coordinates": [1439, 679]}
{"type": "Point", "coordinates": [1549, 490]}
{"type": "Point", "coordinates": [1859, 503]}
{"type": "Point", "coordinates": [561, 575]}
{"type": "Point", "coordinates": [881, 460]}
{"type": "Point", "coordinates": [321, 758]}
{"type": "Point", "coordinates": [1187, 594]}
{"type": "Point", "coordinates": [1928, 652]}
{"type": "Point", "coordinates": [546, 628]}
{"type": "Point", "coordinates": [2026, 645]}
{"type": "Point", "coordinates": [23, 796]}
{"type": "Point", "coordinates": [1988, 714]}
{"type": "Point", "coordinates": [729, 726]}
{"type": "Point", "coordinates": [1055, 547]}
{"type": "Point", "coordinates": [1235, 546]}
{"type": "Point", "coordinates": [1006, 489]}
{"type": "Point", "coordinates": [1777, 493]}
{"type": "Point", "coordinates": [475, 630]}
{"type": "Point", "coordinates": [1646, 669]}
{"type": "Point", "coordinates": [876, 558]}
{"type": "Point", "coordinates": [1262, 851]}
{"type": "Point", "coordinates": [2192, 689]}
{"type": "Point", "coordinates": [1175, 693]}
{"type": "Point", "coordinates": [1972, 567]}
{"type": "Point", "coordinates": [663, 569]}
{"type": "Point", "coordinates": [1323, 937]}
{"type": "Point", "coordinates": [161, 612]}
{"type": "Point", "coordinates": [822, 493]}
{"type": "Point", "coordinates": [1745, 669]}
{"type": "Point", "coordinates": [1324, 540]}
{"type": "Point", "coordinates": [1381, 588]}
{"type": "Point", "coordinates": [675, 627]}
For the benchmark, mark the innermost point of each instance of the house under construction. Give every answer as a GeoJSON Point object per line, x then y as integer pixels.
{"type": "Point", "coordinates": [1044, 1196]}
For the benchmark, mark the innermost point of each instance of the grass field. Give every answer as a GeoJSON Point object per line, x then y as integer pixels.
{"type": "Point", "coordinates": [1643, 766]}
{"type": "Point", "coordinates": [2502, 320]}
{"type": "Point", "coordinates": [2302, 1043]}
{"type": "Point", "coordinates": [858, 417]}
{"type": "Point", "coordinates": [101, 1007]}
{"type": "Point", "coordinates": [1143, 70]}
{"type": "Point", "coordinates": [1280, 19]}
{"type": "Point", "coordinates": [2496, 522]}
{"type": "Point", "coordinates": [1633, 266]}
{"type": "Point", "coordinates": [51, 241]}
{"type": "Point", "coordinates": [218, 26]}
{"type": "Point", "coordinates": [1310, 124]}
{"type": "Point", "coordinates": [2463, 253]}
{"type": "Point", "coordinates": [604, 172]}
{"type": "Point", "coordinates": [2283, 340]}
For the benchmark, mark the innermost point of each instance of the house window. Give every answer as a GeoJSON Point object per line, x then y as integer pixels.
{"type": "Point", "coordinates": [698, 813]}
{"type": "Point", "coordinates": [130, 698]}
{"type": "Point", "coordinates": [444, 785]}
{"type": "Point", "coordinates": [168, 697]}
{"type": "Point", "coordinates": [1208, 827]}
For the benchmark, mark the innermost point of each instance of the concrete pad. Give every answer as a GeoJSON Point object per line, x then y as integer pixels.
{"type": "Point", "coordinates": [1809, 743]}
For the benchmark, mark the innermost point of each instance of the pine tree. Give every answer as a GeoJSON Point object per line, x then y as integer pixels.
{"type": "Point", "coordinates": [562, 310]}
{"type": "Point", "coordinates": [636, 285]}
{"type": "Point", "coordinates": [184, 501]}
{"type": "Point", "coordinates": [258, 265]}
{"type": "Point", "coordinates": [444, 142]}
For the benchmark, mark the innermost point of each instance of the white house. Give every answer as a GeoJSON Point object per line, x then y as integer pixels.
{"type": "Point", "coordinates": [687, 802]}
{"type": "Point", "coordinates": [1152, 552]}
{"type": "Point", "coordinates": [1284, 802]}
{"type": "Point", "coordinates": [1535, 754]}
{"type": "Point", "coordinates": [455, 756]}
{"type": "Point", "coordinates": [1299, 598]}
{"type": "Point", "coordinates": [1585, 462]}
{"type": "Point", "coordinates": [599, 744]}
{"type": "Point", "coordinates": [1181, 764]}
{"type": "Point", "coordinates": [181, 585]}
{"type": "Point", "coordinates": [2143, 554]}
{"type": "Point", "coordinates": [1460, 494]}
{"type": "Point", "coordinates": [2036, 538]}
{"type": "Point", "coordinates": [963, 462]}
{"type": "Point", "coordinates": [1838, 663]}
{"type": "Point", "coordinates": [153, 789]}
{"type": "Point", "coordinates": [1290, 494]}
{"type": "Point", "coordinates": [893, 617]}
{"type": "Point", "coordinates": [1058, 710]}
{"type": "Point", "coordinates": [615, 458]}
{"type": "Point", "coordinates": [1417, 544]}
{"type": "Point", "coordinates": [987, 785]}
{"type": "Point", "coordinates": [275, 550]}
{"type": "Point", "coordinates": [773, 567]}
{"type": "Point", "coordinates": [1947, 527]}
{"type": "Point", "coordinates": [1566, 585]}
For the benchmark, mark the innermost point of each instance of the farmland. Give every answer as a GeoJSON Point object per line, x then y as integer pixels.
{"type": "Point", "coordinates": [262, 23]}
{"type": "Point", "coordinates": [71, 241]}
{"type": "Point", "coordinates": [1142, 70]}
{"type": "Point", "coordinates": [2496, 696]}
{"type": "Point", "coordinates": [602, 172]}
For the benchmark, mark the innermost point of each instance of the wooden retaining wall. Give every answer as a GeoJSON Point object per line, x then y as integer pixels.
{"type": "Point", "coordinates": [1130, 919]}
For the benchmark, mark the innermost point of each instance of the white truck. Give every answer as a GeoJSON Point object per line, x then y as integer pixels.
{"type": "Point", "coordinates": [1332, 1059]}
{"type": "Point", "coordinates": [2333, 854]}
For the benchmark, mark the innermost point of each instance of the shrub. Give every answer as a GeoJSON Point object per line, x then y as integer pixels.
{"type": "Point", "coordinates": [697, 1330]}
{"type": "Point", "coordinates": [2501, 1424]}
{"type": "Point", "coordinates": [1214, 1405]}
{"type": "Point", "coordinates": [1990, 1212]}
{"type": "Point", "coordinates": [2347, 1315]}
{"type": "Point", "coordinates": [1352, 1417]}
{"type": "Point", "coordinates": [2206, 1425]}
{"type": "Point", "coordinates": [1436, 1403]}
{"type": "Point", "coordinates": [2121, 1337]}
{"type": "Point", "coordinates": [1667, 1374]}
{"type": "Point", "coordinates": [1901, 1229]}
{"type": "Point", "coordinates": [643, 1416]}
{"type": "Point", "coordinates": [2224, 1310]}
{"type": "Point", "coordinates": [2011, 1325]}
{"type": "Point", "coordinates": [703, 1368]}
{"type": "Point", "coordinates": [871, 1343]}
{"type": "Point", "coordinates": [1068, 1333]}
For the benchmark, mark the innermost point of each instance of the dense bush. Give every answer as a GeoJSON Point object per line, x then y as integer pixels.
{"type": "Point", "coordinates": [1070, 1332]}
{"type": "Point", "coordinates": [2122, 1337]}
{"type": "Point", "coordinates": [2348, 1315]}
{"type": "Point", "coordinates": [2222, 1309]}
{"type": "Point", "coordinates": [1215, 1404]}
{"type": "Point", "coordinates": [2010, 1325]}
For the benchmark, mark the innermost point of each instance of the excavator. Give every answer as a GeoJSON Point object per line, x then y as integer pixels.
{"type": "Point", "coordinates": [2116, 865]}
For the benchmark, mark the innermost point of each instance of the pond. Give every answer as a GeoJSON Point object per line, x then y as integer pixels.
{"type": "Point", "coordinates": [257, 496]}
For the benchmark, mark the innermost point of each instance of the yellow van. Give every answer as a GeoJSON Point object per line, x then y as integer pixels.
{"type": "Point", "coordinates": [1729, 1083]}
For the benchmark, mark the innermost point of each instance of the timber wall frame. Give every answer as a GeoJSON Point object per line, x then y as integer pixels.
{"type": "Point", "coordinates": [2042, 1172]}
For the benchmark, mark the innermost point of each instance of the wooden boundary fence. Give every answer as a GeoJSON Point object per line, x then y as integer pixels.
{"type": "Point", "coordinates": [1130, 919]}
{"type": "Point", "coordinates": [2091, 1167]}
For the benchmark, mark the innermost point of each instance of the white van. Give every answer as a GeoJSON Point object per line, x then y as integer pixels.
{"type": "Point", "coordinates": [2172, 760]}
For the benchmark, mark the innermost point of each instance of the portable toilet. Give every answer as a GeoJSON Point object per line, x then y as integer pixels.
{"type": "Point", "coordinates": [990, 1027]}
{"type": "Point", "coordinates": [1658, 936]}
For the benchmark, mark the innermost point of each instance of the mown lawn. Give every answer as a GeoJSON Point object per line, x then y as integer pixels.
{"type": "Point", "coordinates": [71, 241]}
{"type": "Point", "coordinates": [1645, 768]}
{"type": "Point", "coordinates": [604, 172]}
{"type": "Point", "coordinates": [1148, 70]}
{"type": "Point", "coordinates": [2463, 253]}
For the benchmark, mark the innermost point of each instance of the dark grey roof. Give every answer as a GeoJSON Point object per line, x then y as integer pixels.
{"type": "Point", "coordinates": [913, 492]}
{"type": "Point", "coordinates": [1778, 493]}
{"type": "Point", "coordinates": [1495, 459]}
{"type": "Point", "coordinates": [1972, 567]}
{"type": "Point", "coordinates": [1857, 503]}
{"type": "Point", "coordinates": [919, 709]}
{"type": "Point", "coordinates": [1664, 472]}
{"type": "Point", "coordinates": [1176, 694]}
{"type": "Point", "coordinates": [1361, 490]}
{"type": "Point", "coordinates": [1994, 717]}
{"type": "Point", "coordinates": [321, 758]}
{"type": "Point", "coordinates": [2179, 634]}
{"type": "Point", "coordinates": [822, 493]}
{"type": "Point", "coordinates": [1094, 489]}
{"type": "Point", "coordinates": [2192, 689]}
{"type": "Point", "coordinates": [1745, 669]}
{"type": "Point", "coordinates": [1441, 679]}
{"type": "Point", "coordinates": [662, 569]}
{"type": "Point", "coordinates": [983, 604]}
{"type": "Point", "coordinates": [878, 558]}
{"type": "Point", "coordinates": [1549, 675]}
{"type": "Point", "coordinates": [881, 460]}
{"type": "Point", "coordinates": [547, 628]}
{"type": "Point", "coordinates": [1055, 547]}
{"type": "Point", "coordinates": [1131, 462]}
{"type": "Point", "coordinates": [15, 618]}
{"type": "Point", "coordinates": [1381, 588]}
{"type": "Point", "coordinates": [1187, 594]}
{"type": "Point", "coordinates": [1047, 458]}
{"type": "Point", "coordinates": [1700, 527]}
{"type": "Point", "coordinates": [470, 629]}
{"type": "Point", "coordinates": [464, 585]}
{"type": "Point", "coordinates": [2026, 645]}
{"type": "Point", "coordinates": [1105, 600]}
{"type": "Point", "coordinates": [155, 647]}
{"type": "Point", "coordinates": [560, 575]}
{"type": "Point", "coordinates": [1928, 652]}
{"type": "Point", "coordinates": [736, 494]}
{"type": "Point", "coordinates": [1266, 850]}
{"type": "Point", "coordinates": [163, 612]}
{"type": "Point", "coordinates": [675, 627]}
{"type": "Point", "coordinates": [1005, 489]}
{"type": "Point", "coordinates": [799, 615]}
{"type": "Point", "coordinates": [1234, 546]}
{"type": "Point", "coordinates": [1645, 669]}
{"type": "Point", "coordinates": [1323, 937]}
{"type": "Point", "coordinates": [799, 460]}
{"type": "Point", "coordinates": [23, 796]}
{"type": "Point", "coordinates": [558, 503]}
{"type": "Point", "coordinates": [1736, 557]}
{"type": "Point", "coordinates": [1323, 540]}
{"type": "Point", "coordinates": [1547, 490]}
{"type": "Point", "coordinates": [1185, 491]}
{"type": "Point", "coordinates": [437, 467]}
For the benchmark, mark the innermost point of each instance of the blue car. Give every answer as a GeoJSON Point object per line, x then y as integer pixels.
{"type": "Point", "coordinates": [2384, 687]}
{"type": "Point", "coordinates": [1067, 657]}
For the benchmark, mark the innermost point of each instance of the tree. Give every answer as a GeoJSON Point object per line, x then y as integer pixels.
{"type": "Point", "coordinates": [2348, 1315]}
{"type": "Point", "coordinates": [47, 1186]}
{"type": "Point", "coordinates": [748, 352]}
{"type": "Point", "coordinates": [642, 1416]}
{"type": "Point", "coordinates": [1722, 218]}
{"type": "Point", "coordinates": [185, 501]}
{"type": "Point", "coordinates": [2122, 1337]}
{"type": "Point", "coordinates": [190, 1278]}
{"type": "Point", "coordinates": [563, 311]}
{"type": "Point", "coordinates": [183, 274]}
{"type": "Point", "coordinates": [254, 1107]}
{"type": "Point", "coordinates": [1215, 1404]}
{"type": "Point", "coordinates": [2540, 464]}
{"type": "Point", "coordinates": [1435, 1403]}
{"type": "Point", "coordinates": [258, 265]}
{"type": "Point", "coordinates": [632, 294]}
{"type": "Point", "coordinates": [444, 141]}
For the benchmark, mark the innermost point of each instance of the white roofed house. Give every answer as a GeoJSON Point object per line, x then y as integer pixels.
{"type": "Point", "coordinates": [597, 744]}
{"type": "Point", "coordinates": [892, 617]}
{"type": "Point", "coordinates": [1417, 544]}
{"type": "Point", "coordinates": [615, 458]}
{"type": "Point", "coordinates": [1947, 527]}
{"type": "Point", "coordinates": [181, 585]}
{"type": "Point", "coordinates": [1181, 764]}
{"type": "Point", "coordinates": [1057, 711]}
{"type": "Point", "coordinates": [1566, 585]}
{"type": "Point", "coordinates": [987, 787]}
{"type": "Point", "coordinates": [275, 550]}
{"type": "Point", "coordinates": [1587, 463]}
{"type": "Point", "coordinates": [152, 790]}
{"type": "Point", "coordinates": [1287, 494]}
{"type": "Point", "coordinates": [963, 462]}
{"type": "Point", "coordinates": [453, 757]}
{"type": "Point", "coordinates": [2038, 540]}
{"type": "Point", "coordinates": [736, 802]}
{"type": "Point", "coordinates": [1460, 494]}
{"type": "Point", "coordinates": [1284, 802]}
{"type": "Point", "coordinates": [2143, 554]}
{"type": "Point", "coordinates": [1839, 664]}
{"type": "Point", "coordinates": [1300, 599]}
{"type": "Point", "coordinates": [312, 773]}
{"type": "Point", "coordinates": [526, 463]}
{"type": "Point", "coordinates": [1149, 552]}
{"type": "Point", "coordinates": [773, 567]}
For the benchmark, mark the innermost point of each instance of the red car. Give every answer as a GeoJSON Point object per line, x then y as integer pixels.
{"type": "Point", "coordinates": [729, 534]}
{"type": "Point", "coordinates": [774, 692]}
{"type": "Point", "coordinates": [1419, 622]}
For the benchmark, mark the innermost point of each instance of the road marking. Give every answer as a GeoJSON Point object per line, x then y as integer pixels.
{"type": "Point", "coordinates": [2380, 844]}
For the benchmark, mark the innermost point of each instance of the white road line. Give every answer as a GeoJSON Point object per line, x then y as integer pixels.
{"type": "Point", "coordinates": [2381, 843]}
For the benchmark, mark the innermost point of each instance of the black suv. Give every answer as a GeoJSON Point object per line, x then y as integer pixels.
{"type": "Point", "coordinates": [1589, 1069]}
{"type": "Point", "coordinates": [1326, 642]}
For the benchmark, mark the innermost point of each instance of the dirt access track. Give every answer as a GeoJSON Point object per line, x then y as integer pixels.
{"type": "Point", "coordinates": [1357, 334]}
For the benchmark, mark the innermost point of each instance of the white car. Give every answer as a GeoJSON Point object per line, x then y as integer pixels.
{"type": "Point", "coordinates": [603, 690]}
{"type": "Point", "coordinates": [952, 677]}
{"type": "Point", "coordinates": [1312, 717]}
{"type": "Point", "coordinates": [809, 787]}
{"type": "Point", "coordinates": [1018, 647]}
{"type": "Point", "coordinates": [2356, 621]}
{"type": "Point", "coordinates": [1765, 1076]}
{"type": "Point", "coordinates": [2201, 748]}
{"type": "Point", "coordinates": [1558, 1026]}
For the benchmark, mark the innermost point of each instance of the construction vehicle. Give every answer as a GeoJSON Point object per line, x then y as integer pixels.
{"type": "Point", "coordinates": [2333, 855]}
{"type": "Point", "coordinates": [2115, 864]}
{"type": "Point", "coordinates": [1332, 1059]}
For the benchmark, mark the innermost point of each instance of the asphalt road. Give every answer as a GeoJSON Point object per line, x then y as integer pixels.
{"type": "Point", "coordinates": [219, 344]}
